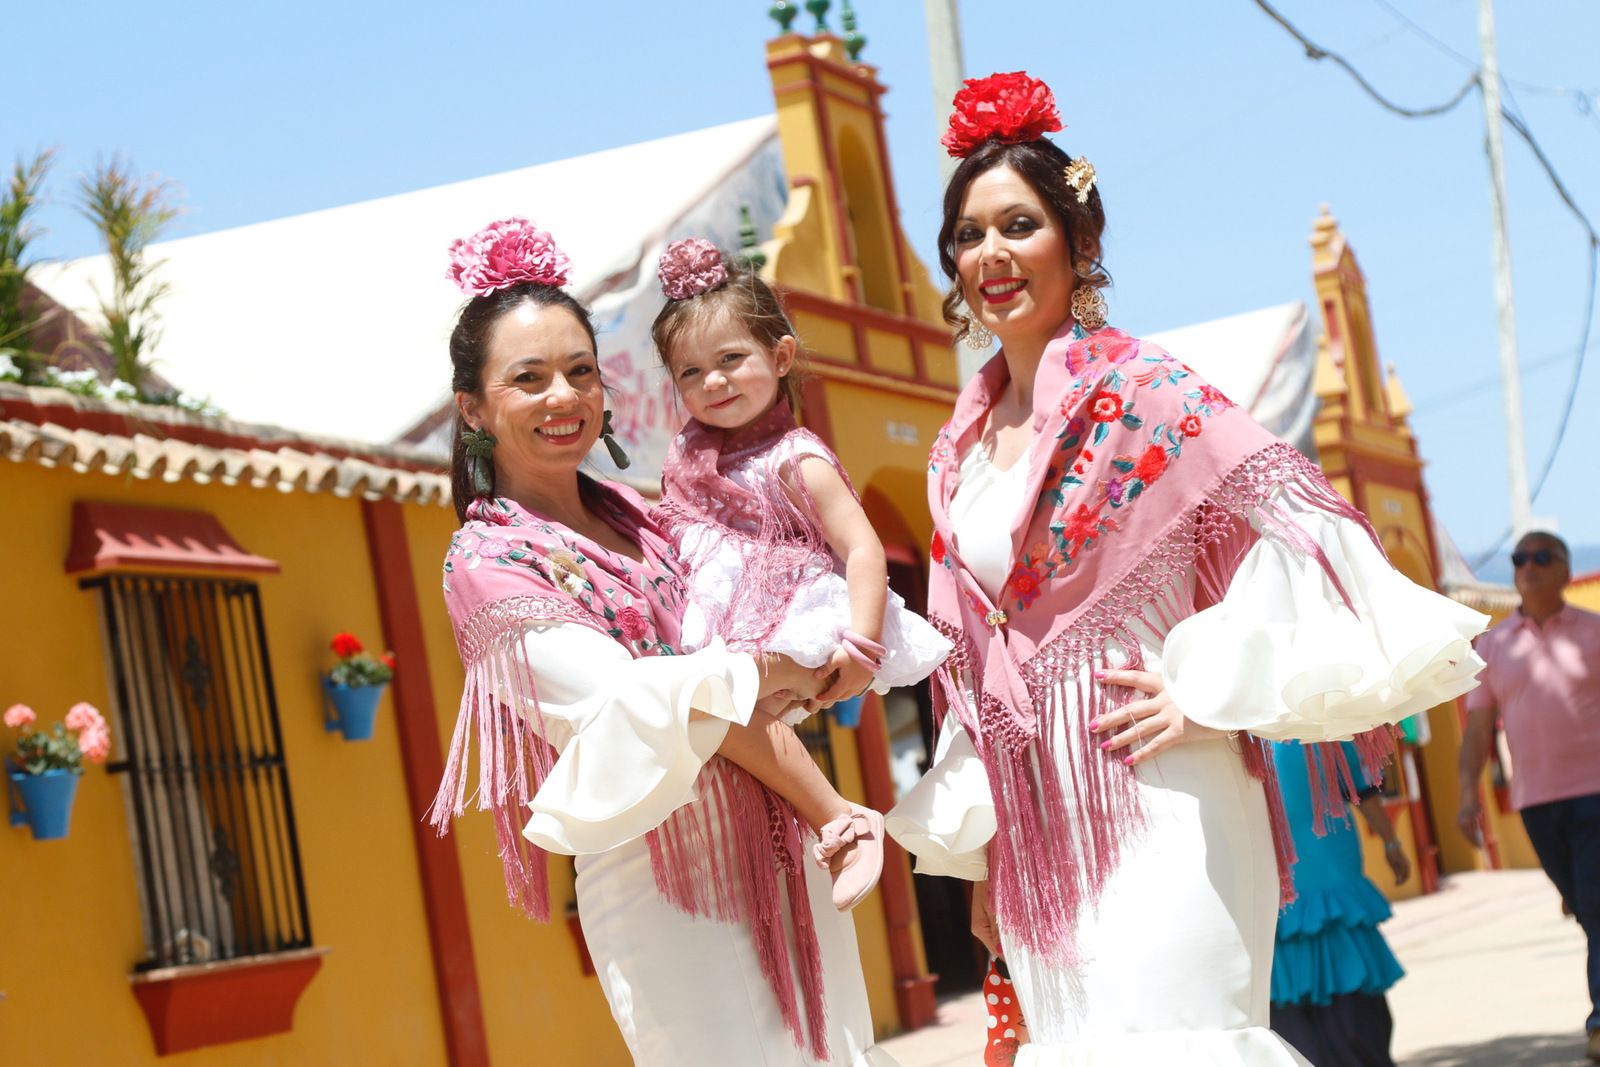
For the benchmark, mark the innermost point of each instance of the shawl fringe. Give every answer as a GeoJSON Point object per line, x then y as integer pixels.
{"type": "Point", "coordinates": [731, 858]}
{"type": "Point", "coordinates": [1053, 851]}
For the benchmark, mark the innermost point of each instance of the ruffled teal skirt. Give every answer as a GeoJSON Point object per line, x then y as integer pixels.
{"type": "Point", "coordinates": [1328, 944]}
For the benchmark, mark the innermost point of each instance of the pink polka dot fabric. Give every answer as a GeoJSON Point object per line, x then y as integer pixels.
{"type": "Point", "coordinates": [1006, 1030]}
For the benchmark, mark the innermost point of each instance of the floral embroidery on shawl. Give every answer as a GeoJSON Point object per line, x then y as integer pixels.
{"type": "Point", "coordinates": [1131, 448]}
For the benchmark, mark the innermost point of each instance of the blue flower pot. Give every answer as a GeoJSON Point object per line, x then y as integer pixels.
{"type": "Point", "coordinates": [355, 709]}
{"type": "Point", "coordinates": [46, 802]}
{"type": "Point", "coordinates": [848, 712]}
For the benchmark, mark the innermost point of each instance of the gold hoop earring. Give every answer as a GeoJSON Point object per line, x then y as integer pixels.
{"type": "Point", "coordinates": [1089, 307]}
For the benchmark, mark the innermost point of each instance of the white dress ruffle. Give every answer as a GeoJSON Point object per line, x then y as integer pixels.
{"type": "Point", "coordinates": [819, 614]}
{"type": "Point", "coordinates": [632, 736]}
{"type": "Point", "coordinates": [631, 744]}
{"type": "Point", "coordinates": [1176, 958]}
{"type": "Point", "coordinates": [1284, 658]}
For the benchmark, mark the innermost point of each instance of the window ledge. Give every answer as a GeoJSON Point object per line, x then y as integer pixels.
{"type": "Point", "coordinates": [196, 1005]}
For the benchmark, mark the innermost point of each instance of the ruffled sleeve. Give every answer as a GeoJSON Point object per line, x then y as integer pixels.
{"type": "Point", "coordinates": [947, 818]}
{"type": "Point", "coordinates": [632, 734]}
{"type": "Point", "coordinates": [1284, 657]}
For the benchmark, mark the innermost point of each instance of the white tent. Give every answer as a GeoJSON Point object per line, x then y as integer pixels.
{"type": "Point", "coordinates": [335, 322]}
{"type": "Point", "coordinates": [1265, 360]}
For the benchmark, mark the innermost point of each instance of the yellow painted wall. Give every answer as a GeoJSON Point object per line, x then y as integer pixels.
{"type": "Point", "coordinates": [73, 929]}
{"type": "Point", "coordinates": [868, 430]}
{"type": "Point", "coordinates": [1585, 593]}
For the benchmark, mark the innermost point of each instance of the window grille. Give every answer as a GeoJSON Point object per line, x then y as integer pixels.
{"type": "Point", "coordinates": [212, 820]}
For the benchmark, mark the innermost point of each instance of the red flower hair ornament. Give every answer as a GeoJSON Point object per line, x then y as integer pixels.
{"type": "Point", "coordinates": [1010, 108]}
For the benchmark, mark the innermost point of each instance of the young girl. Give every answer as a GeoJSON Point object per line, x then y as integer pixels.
{"type": "Point", "coordinates": [765, 519]}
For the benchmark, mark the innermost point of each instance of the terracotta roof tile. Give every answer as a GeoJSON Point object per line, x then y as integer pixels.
{"type": "Point", "coordinates": [57, 429]}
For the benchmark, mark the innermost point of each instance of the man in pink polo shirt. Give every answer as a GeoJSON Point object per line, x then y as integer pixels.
{"type": "Point", "coordinates": [1543, 683]}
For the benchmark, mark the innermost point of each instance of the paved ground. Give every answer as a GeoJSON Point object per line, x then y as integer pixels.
{"type": "Point", "coordinates": [1494, 979]}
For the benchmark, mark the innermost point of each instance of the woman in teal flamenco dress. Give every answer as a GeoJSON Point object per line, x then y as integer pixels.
{"type": "Point", "coordinates": [1331, 966]}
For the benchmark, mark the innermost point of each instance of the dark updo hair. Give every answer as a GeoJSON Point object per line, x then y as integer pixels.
{"type": "Point", "coordinates": [1042, 165]}
{"type": "Point", "coordinates": [469, 348]}
{"type": "Point", "coordinates": [748, 299]}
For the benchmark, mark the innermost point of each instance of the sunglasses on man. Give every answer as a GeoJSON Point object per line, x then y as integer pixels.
{"type": "Point", "coordinates": [1539, 557]}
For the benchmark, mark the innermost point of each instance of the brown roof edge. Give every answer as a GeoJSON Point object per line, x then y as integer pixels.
{"type": "Point", "coordinates": [44, 406]}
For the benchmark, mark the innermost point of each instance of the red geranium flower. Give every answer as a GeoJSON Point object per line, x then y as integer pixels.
{"type": "Point", "coordinates": [1025, 584]}
{"type": "Point", "coordinates": [1105, 406]}
{"type": "Point", "coordinates": [1190, 425]}
{"type": "Point", "coordinates": [346, 645]}
{"type": "Point", "coordinates": [1151, 465]}
{"type": "Point", "coordinates": [1011, 108]}
{"type": "Point", "coordinates": [632, 624]}
{"type": "Point", "coordinates": [936, 548]}
{"type": "Point", "coordinates": [388, 660]}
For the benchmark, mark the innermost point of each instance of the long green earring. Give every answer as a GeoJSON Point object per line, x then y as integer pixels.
{"type": "Point", "coordinates": [480, 458]}
{"type": "Point", "coordinates": [618, 456]}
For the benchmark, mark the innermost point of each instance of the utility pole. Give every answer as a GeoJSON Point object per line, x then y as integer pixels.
{"type": "Point", "coordinates": [944, 63]}
{"type": "Point", "coordinates": [1505, 302]}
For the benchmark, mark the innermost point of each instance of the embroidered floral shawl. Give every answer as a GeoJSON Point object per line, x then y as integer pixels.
{"type": "Point", "coordinates": [507, 567]}
{"type": "Point", "coordinates": [1140, 474]}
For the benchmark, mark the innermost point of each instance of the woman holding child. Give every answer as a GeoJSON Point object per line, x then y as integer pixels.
{"type": "Point", "coordinates": [617, 721]}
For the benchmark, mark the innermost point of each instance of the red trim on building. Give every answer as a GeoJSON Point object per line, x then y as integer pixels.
{"type": "Point", "coordinates": [814, 409]}
{"type": "Point", "coordinates": [416, 720]}
{"type": "Point", "coordinates": [913, 990]}
{"type": "Point", "coordinates": [216, 1004]}
{"type": "Point", "coordinates": [105, 536]}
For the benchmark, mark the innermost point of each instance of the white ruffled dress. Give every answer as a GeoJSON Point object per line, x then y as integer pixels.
{"type": "Point", "coordinates": [820, 611]}
{"type": "Point", "coordinates": [1176, 958]}
{"type": "Point", "coordinates": [633, 736]}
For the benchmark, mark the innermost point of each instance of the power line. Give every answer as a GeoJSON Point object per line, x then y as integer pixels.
{"type": "Point", "coordinates": [1425, 35]}
{"type": "Point", "coordinates": [1317, 52]}
{"type": "Point", "coordinates": [1520, 127]}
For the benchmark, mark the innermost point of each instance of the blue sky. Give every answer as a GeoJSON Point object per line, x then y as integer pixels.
{"type": "Point", "coordinates": [1214, 137]}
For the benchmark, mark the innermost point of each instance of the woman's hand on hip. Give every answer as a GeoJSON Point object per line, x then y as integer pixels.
{"type": "Point", "coordinates": [1154, 722]}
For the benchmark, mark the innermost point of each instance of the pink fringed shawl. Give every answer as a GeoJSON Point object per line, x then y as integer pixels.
{"type": "Point", "coordinates": [772, 521]}
{"type": "Point", "coordinates": [1140, 474]}
{"type": "Point", "coordinates": [731, 854]}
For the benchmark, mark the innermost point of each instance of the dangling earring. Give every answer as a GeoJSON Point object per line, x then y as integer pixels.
{"type": "Point", "coordinates": [619, 458]}
{"type": "Point", "coordinates": [480, 460]}
{"type": "Point", "coordinates": [1089, 307]}
{"type": "Point", "coordinates": [977, 336]}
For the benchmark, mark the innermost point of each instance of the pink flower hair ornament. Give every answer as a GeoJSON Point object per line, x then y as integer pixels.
{"type": "Point", "coordinates": [690, 267]}
{"type": "Point", "coordinates": [506, 253]}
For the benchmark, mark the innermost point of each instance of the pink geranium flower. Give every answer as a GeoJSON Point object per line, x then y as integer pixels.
{"type": "Point", "coordinates": [19, 715]}
{"type": "Point", "coordinates": [84, 716]}
{"type": "Point", "coordinates": [95, 743]}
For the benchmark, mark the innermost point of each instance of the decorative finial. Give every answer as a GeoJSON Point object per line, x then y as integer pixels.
{"type": "Point", "coordinates": [783, 13]}
{"type": "Point", "coordinates": [853, 42]}
{"type": "Point", "coordinates": [749, 250]}
{"type": "Point", "coordinates": [819, 10]}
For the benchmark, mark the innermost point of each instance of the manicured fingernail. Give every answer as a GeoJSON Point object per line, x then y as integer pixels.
{"type": "Point", "coordinates": [1105, 744]}
{"type": "Point", "coordinates": [1099, 676]}
{"type": "Point", "coordinates": [1128, 762]}
{"type": "Point", "coordinates": [1094, 724]}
